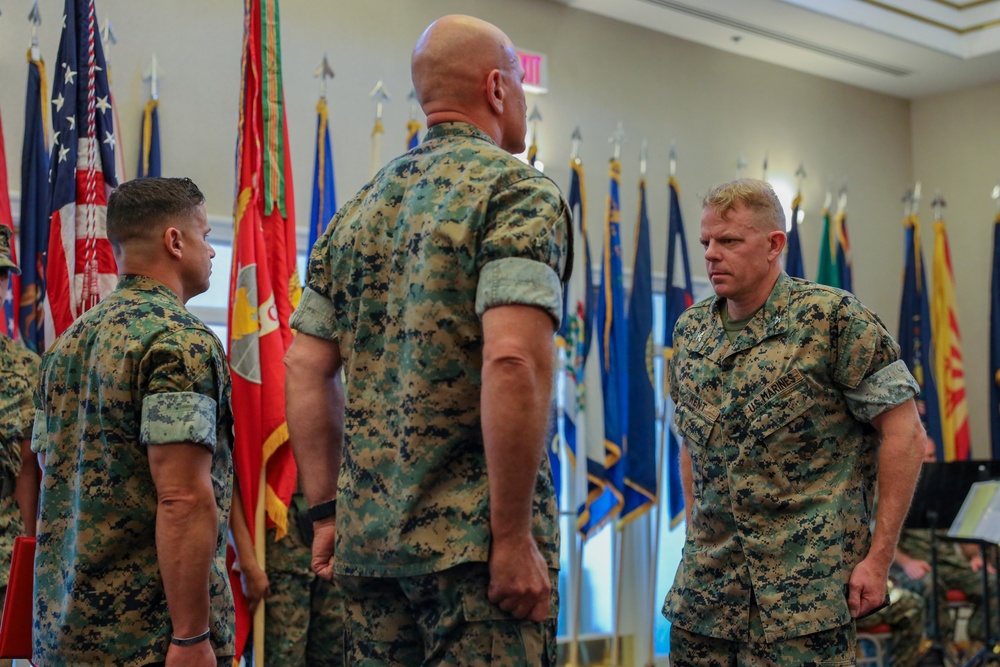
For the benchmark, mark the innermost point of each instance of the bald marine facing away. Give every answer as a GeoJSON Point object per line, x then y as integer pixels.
{"type": "Point", "coordinates": [437, 289]}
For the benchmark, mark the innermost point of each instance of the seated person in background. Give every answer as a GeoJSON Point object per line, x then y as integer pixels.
{"type": "Point", "coordinates": [959, 568]}
{"type": "Point", "coordinates": [905, 618]}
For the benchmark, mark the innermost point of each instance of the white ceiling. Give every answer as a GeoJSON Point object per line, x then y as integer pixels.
{"type": "Point", "coordinates": [907, 48]}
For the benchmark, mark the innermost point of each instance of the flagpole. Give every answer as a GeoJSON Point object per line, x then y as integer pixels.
{"type": "Point", "coordinates": [381, 96]}
{"type": "Point", "coordinates": [661, 456]}
{"type": "Point", "coordinates": [574, 647]}
{"type": "Point", "coordinates": [619, 540]}
{"type": "Point", "coordinates": [260, 550]}
{"type": "Point", "coordinates": [576, 556]}
{"type": "Point", "coordinates": [616, 140]}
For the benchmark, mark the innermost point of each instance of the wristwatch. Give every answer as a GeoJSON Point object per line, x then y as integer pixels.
{"type": "Point", "coordinates": [323, 510]}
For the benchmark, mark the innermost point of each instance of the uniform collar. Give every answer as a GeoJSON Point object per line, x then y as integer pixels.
{"type": "Point", "coordinates": [135, 282]}
{"type": "Point", "coordinates": [771, 320]}
{"type": "Point", "coordinates": [456, 129]}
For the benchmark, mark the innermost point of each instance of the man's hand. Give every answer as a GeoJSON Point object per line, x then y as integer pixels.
{"type": "Point", "coordinates": [324, 536]}
{"type": "Point", "coordinates": [916, 569]}
{"type": "Point", "coordinates": [256, 586]}
{"type": "Point", "coordinates": [867, 587]}
{"type": "Point", "coordinates": [199, 655]}
{"type": "Point", "coordinates": [519, 579]}
{"type": "Point", "coordinates": [976, 563]}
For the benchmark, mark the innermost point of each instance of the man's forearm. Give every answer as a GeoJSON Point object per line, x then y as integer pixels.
{"type": "Point", "coordinates": [240, 529]}
{"type": "Point", "coordinates": [186, 534]}
{"type": "Point", "coordinates": [900, 456]}
{"type": "Point", "coordinates": [516, 395]}
{"type": "Point", "coordinates": [687, 482]}
{"type": "Point", "coordinates": [27, 487]}
{"type": "Point", "coordinates": [314, 408]}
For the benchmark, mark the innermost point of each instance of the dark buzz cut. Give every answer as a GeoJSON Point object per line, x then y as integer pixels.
{"type": "Point", "coordinates": [140, 206]}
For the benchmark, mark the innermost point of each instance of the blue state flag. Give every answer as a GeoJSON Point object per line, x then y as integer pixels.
{"type": "Point", "coordinates": [640, 451]}
{"type": "Point", "coordinates": [149, 147]}
{"type": "Point", "coordinates": [573, 340]}
{"type": "Point", "coordinates": [605, 469]}
{"type": "Point", "coordinates": [34, 220]}
{"type": "Point", "coordinates": [324, 195]}
{"type": "Point", "coordinates": [915, 343]}
{"type": "Point", "coordinates": [995, 343]}
{"type": "Point", "coordinates": [794, 265]}
{"type": "Point", "coordinates": [679, 296]}
{"type": "Point", "coordinates": [412, 134]}
{"type": "Point", "coordinates": [844, 265]}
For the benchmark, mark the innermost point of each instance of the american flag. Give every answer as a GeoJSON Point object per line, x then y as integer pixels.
{"type": "Point", "coordinates": [81, 267]}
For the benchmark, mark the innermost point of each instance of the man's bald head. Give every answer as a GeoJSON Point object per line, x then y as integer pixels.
{"type": "Point", "coordinates": [459, 65]}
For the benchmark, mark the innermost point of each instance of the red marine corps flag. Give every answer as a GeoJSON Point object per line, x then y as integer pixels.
{"type": "Point", "coordinates": [264, 285]}
{"type": "Point", "coordinates": [81, 267]}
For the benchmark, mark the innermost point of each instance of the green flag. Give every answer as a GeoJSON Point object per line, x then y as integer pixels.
{"type": "Point", "coordinates": [829, 272]}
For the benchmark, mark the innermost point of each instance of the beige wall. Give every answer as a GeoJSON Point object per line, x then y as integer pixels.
{"type": "Point", "coordinates": [956, 149]}
{"type": "Point", "coordinates": [713, 104]}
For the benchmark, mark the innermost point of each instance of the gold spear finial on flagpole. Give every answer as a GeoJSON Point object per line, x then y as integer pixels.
{"type": "Point", "coordinates": [412, 97]}
{"type": "Point", "coordinates": [939, 204]}
{"type": "Point", "coordinates": [381, 96]}
{"type": "Point", "coordinates": [153, 75]}
{"type": "Point", "coordinates": [35, 18]}
{"type": "Point", "coordinates": [617, 139]}
{"type": "Point", "coordinates": [323, 72]}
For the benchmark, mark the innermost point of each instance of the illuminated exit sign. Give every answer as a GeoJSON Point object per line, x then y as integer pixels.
{"type": "Point", "coordinates": [536, 71]}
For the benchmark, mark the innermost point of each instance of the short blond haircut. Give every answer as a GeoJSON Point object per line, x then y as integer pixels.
{"type": "Point", "coordinates": [756, 195]}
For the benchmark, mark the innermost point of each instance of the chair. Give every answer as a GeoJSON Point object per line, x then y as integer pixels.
{"type": "Point", "coordinates": [874, 646]}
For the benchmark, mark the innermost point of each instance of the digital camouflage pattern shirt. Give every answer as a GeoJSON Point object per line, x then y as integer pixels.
{"type": "Point", "coordinates": [18, 376]}
{"type": "Point", "coordinates": [136, 371]}
{"type": "Point", "coordinates": [400, 280]}
{"type": "Point", "coordinates": [783, 456]}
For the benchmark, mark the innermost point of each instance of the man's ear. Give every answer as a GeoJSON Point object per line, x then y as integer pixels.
{"type": "Point", "coordinates": [173, 242]}
{"type": "Point", "coordinates": [776, 243]}
{"type": "Point", "coordinates": [494, 91]}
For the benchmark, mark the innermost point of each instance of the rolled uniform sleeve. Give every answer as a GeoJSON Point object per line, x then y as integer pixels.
{"type": "Point", "coordinates": [39, 434]}
{"type": "Point", "coordinates": [181, 402]}
{"type": "Point", "coordinates": [868, 366]}
{"type": "Point", "coordinates": [178, 417]}
{"type": "Point", "coordinates": [525, 251]}
{"type": "Point", "coordinates": [315, 314]}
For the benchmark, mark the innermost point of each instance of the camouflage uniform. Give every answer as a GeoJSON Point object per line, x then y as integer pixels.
{"type": "Point", "coordinates": [953, 573]}
{"type": "Point", "coordinates": [399, 280]}
{"type": "Point", "coordinates": [18, 375]}
{"type": "Point", "coordinates": [783, 458]}
{"type": "Point", "coordinates": [305, 614]}
{"type": "Point", "coordinates": [905, 618]}
{"type": "Point", "coordinates": [137, 370]}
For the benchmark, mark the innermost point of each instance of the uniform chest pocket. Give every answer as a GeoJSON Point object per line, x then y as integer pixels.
{"type": "Point", "coordinates": [694, 419]}
{"type": "Point", "coordinates": [785, 426]}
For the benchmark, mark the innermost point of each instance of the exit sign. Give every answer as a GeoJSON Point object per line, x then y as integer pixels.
{"type": "Point", "coordinates": [536, 71]}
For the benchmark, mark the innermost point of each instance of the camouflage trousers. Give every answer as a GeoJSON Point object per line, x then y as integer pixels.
{"type": "Point", "coordinates": [830, 647]}
{"type": "Point", "coordinates": [443, 619]}
{"type": "Point", "coordinates": [304, 623]}
{"type": "Point", "coordinates": [905, 617]}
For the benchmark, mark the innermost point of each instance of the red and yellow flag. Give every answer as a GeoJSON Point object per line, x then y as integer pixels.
{"type": "Point", "coordinates": [264, 285]}
{"type": "Point", "coordinates": [948, 365]}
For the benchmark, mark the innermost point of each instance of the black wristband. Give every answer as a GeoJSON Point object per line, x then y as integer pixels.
{"type": "Point", "coordinates": [191, 641]}
{"type": "Point", "coordinates": [323, 510]}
